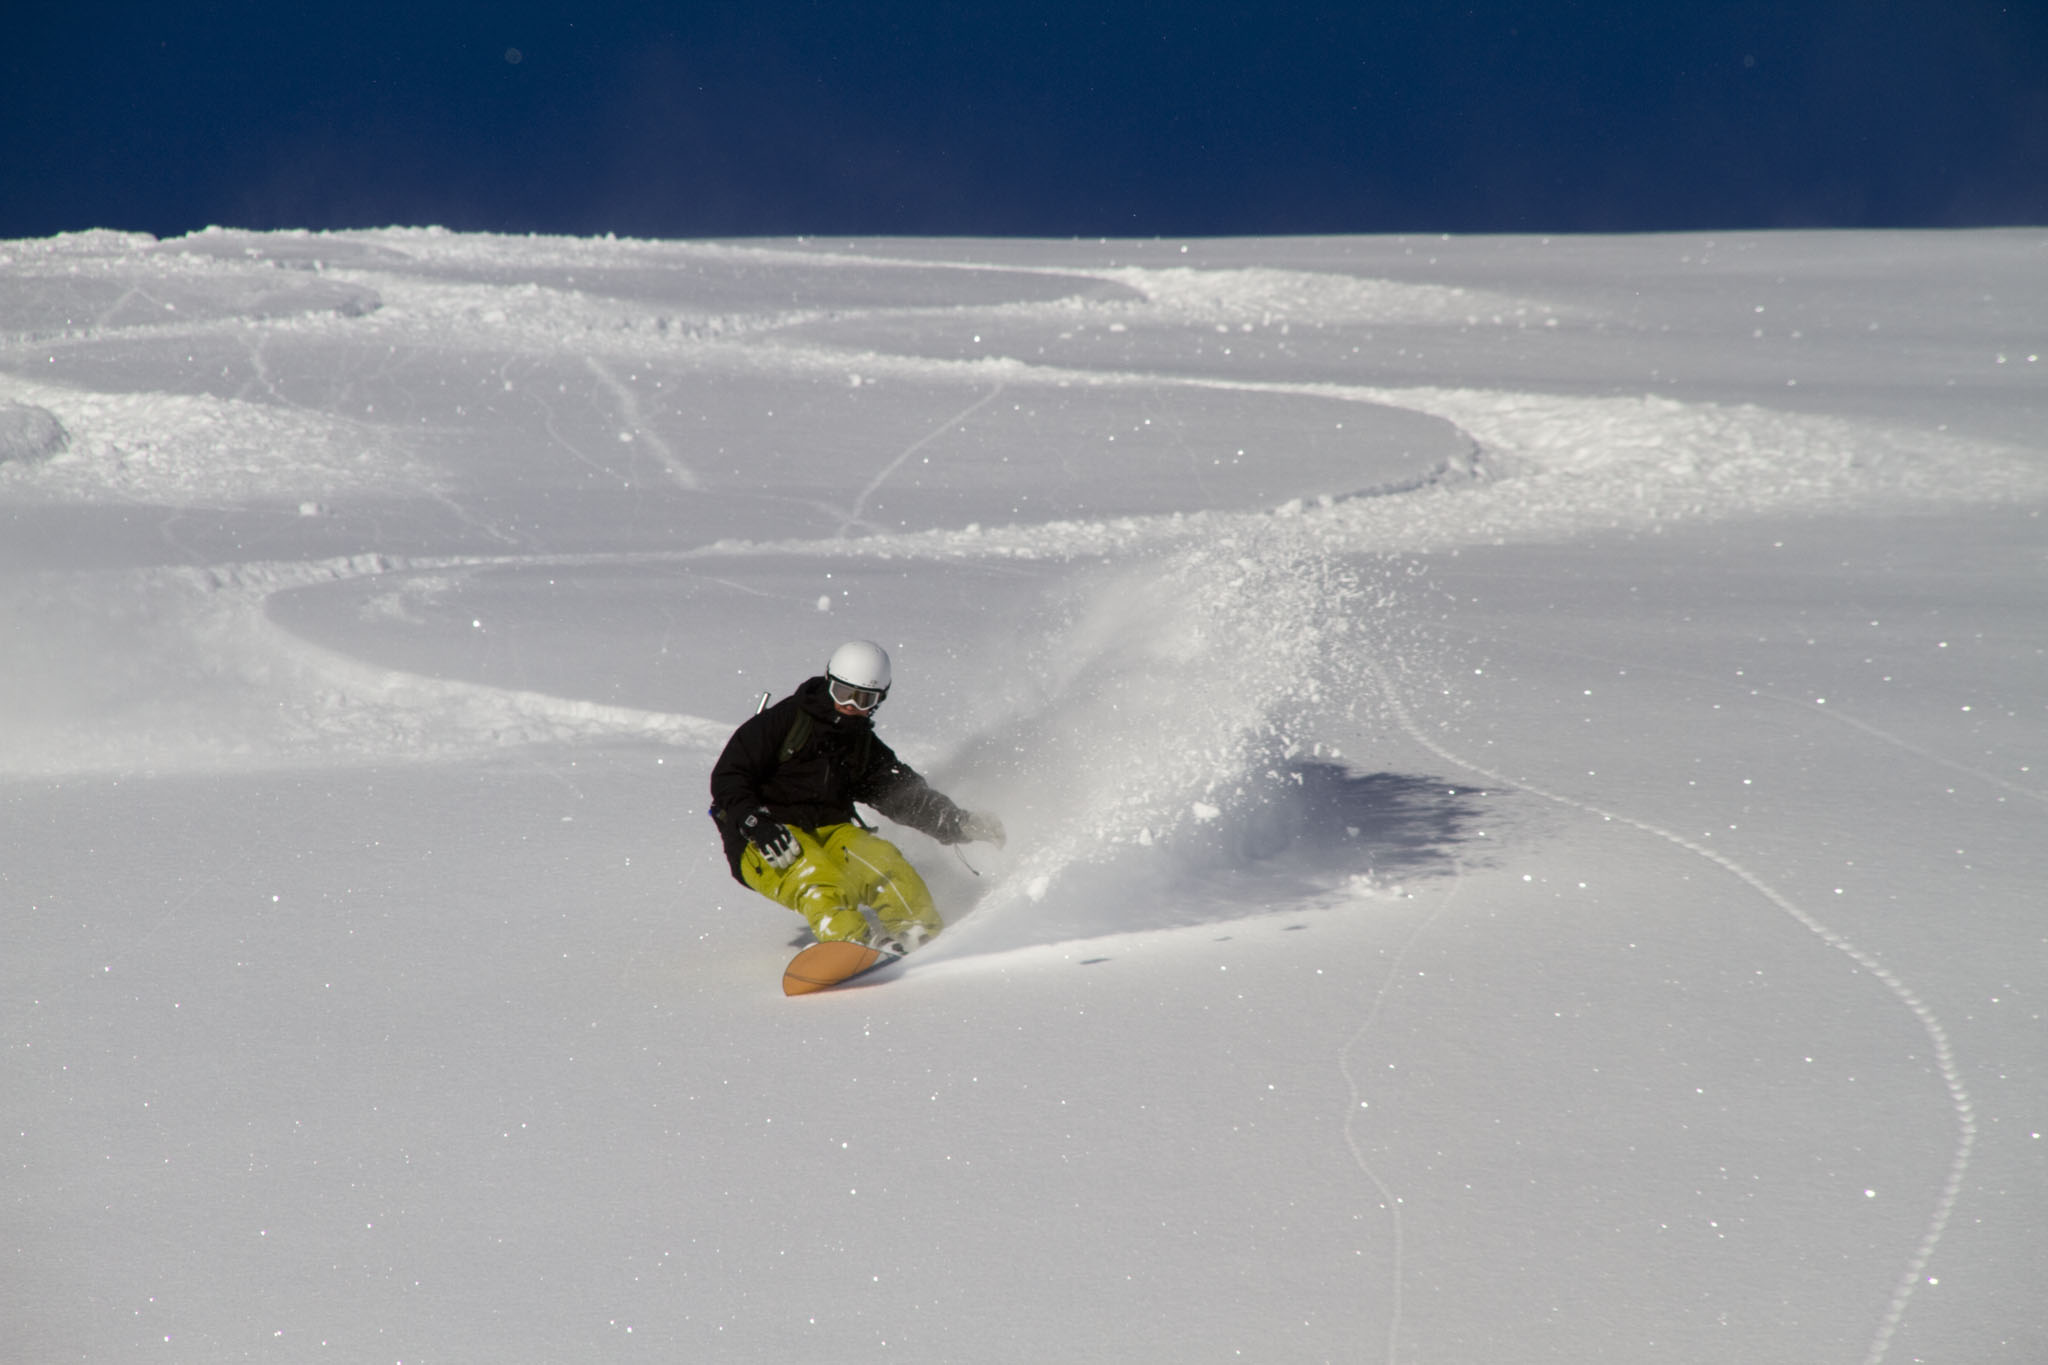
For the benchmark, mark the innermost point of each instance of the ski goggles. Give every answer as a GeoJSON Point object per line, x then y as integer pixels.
{"type": "Point", "coordinates": [862, 699]}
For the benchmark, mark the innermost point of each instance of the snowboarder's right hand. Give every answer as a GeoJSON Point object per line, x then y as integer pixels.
{"type": "Point", "coordinates": [776, 844]}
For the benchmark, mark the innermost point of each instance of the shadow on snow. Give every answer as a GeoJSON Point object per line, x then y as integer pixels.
{"type": "Point", "coordinates": [1313, 835]}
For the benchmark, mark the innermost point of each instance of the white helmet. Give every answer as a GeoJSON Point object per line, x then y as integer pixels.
{"type": "Point", "coordinates": [858, 675]}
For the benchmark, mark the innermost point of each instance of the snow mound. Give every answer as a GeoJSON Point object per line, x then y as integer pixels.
{"type": "Point", "coordinates": [183, 450]}
{"type": "Point", "coordinates": [1264, 295]}
{"type": "Point", "coordinates": [101, 283]}
{"type": "Point", "coordinates": [29, 433]}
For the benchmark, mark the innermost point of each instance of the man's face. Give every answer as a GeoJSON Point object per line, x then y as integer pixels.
{"type": "Point", "coordinates": [849, 700]}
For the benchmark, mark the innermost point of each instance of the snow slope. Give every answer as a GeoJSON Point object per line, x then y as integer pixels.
{"type": "Point", "coordinates": [1524, 760]}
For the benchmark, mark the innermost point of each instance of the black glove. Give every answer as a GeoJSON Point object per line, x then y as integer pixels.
{"type": "Point", "coordinates": [762, 830]}
{"type": "Point", "coordinates": [980, 826]}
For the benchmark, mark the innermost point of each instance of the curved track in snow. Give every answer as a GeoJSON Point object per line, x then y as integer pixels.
{"type": "Point", "coordinates": [353, 546]}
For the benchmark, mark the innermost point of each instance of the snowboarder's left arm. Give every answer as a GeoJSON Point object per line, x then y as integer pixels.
{"type": "Point", "coordinates": [898, 791]}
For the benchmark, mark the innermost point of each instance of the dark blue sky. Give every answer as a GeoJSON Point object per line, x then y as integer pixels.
{"type": "Point", "coordinates": [1106, 118]}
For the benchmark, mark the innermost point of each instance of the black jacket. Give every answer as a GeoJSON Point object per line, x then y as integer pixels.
{"type": "Point", "coordinates": [840, 762]}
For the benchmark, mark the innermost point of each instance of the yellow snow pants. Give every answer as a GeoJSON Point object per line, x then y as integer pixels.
{"type": "Point", "coordinates": [839, 869]}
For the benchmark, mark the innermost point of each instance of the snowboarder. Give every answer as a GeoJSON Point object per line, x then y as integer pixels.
{"type": "Point", "coordinates": [782, 795]}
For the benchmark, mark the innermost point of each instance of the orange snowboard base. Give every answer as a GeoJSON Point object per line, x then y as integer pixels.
{"type": "Point", "coordinates": [825, 965]}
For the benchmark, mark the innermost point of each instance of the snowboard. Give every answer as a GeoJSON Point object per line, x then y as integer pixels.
{"type": "Point", "coordinates": [822, 966]}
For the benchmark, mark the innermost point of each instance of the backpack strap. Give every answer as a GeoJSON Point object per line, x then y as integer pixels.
{"type": "Point", "coordinates": [800, 731]}
{"type": "Point", "coordinates": [798, 736]}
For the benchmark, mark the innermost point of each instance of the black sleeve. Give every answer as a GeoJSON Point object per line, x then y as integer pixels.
{"type": "Point", "coordinates": [749, 760]}
{"type": "Point", "coordinates": [895, 789]}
